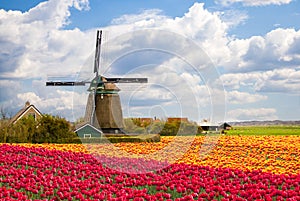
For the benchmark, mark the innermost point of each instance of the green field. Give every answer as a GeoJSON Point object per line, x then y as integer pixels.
{"type": "Point", "coordinates": [265, 130]}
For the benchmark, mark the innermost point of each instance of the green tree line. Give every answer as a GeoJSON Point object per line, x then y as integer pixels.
{"type": "Point", "coordinates": [54, 129]}
{"type": "Point", "coordinates": [164, 128]}
{"type": "Point", "coordinates": [47, 129]}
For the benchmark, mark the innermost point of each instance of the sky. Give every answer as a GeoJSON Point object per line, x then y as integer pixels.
{"type": "Point", "coordinates": [222, 60]}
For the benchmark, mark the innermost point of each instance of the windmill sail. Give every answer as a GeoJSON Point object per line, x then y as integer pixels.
{"type": "Point", "coordinates": [90, 116]}
{"type": "Point", "coordinates": [127, 80]}
{"type": "Point", "coordinates": [97, 53]}
{"type": "Point", "coordinates": [51, 83]}
{"type": "Point", "coordinates": [89, 109]}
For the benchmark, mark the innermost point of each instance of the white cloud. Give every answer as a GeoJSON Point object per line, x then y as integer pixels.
{"type": "Point", "coordinates": [278, 80]}
{"type": "Point", "coordinates": [203, 27]}
{"type": "Point", "coordinates": [81, 4]}
{"type": "Point", "coordinates": [233, 17]}
{"type": "Point", "coordinates": [253, 2]}
{"type": "Point", "coordinates": [68, 104]}
{"type": "Point", "coordinates": [276, 49]}
{"type": "Point", "coordinates": [146, 18]}
{"type": "Point", "coordinates": [252, 114]}
{"type": "Point", "coordinates": [8, 90]}
{"type": "Point", "coordinates": [237, 97]}
{"type": "Point", "coordinates": [182, 94]}
{"type": "Point", "coordinates": [29, 96]}
{"type": "Point", "coordinates": [34, 42]}
{"type": "Point", "coordinates": [179, 69]}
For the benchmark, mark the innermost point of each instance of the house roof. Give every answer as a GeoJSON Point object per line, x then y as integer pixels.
{"type": "Point", "coordinates": [23, 111]}
{"type": "Point", "coordinates": [226, 124]}
{"type": "Point", "coordinates": [85, 125]}
{"type": "Point", "coordinates": [213, 124]}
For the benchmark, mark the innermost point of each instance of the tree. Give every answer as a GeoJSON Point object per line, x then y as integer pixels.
{"type": "Point", "coordinates": [188, 128]}
{"type": "Point", "coordinates": [4, 114]}
{"type": "Point", "coordinates": [169, 129]}
{"type": "Point", "coordinates": [139, 130]}
{"type": "Point", "coordinates": [155, 127]}
{"type": "Point", "coordinates": [52, 129]}
{"type": "Point", "coordinates": [129, 125]}
{"type": "Point", "coordinates": [20, 132]}
{"type": "Point", "coordinates": [26, 127]}
{"type": "Point", "coordinates": [47, 129]}
{"type": "Point", "coordinates": [4, 129]}
{"type": "Point", "coordinates": [174, 128]}
{"type": "Point", "coordinates": [136, 122]}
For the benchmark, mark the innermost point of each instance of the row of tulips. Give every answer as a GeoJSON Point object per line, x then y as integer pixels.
{"type": "Point", "coordinates": [31, 173]}
{"type": "Point", "coordinates": [276, 154]}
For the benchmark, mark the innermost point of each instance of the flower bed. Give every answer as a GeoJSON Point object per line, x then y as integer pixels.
{"type": "Point", "coordinates": [42, 172]}
{"type": "Point", "coordinates": [276, 154]}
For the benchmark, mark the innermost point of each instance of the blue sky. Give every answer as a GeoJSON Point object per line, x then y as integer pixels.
{"type": "Point", "coordinates": [250, 46]}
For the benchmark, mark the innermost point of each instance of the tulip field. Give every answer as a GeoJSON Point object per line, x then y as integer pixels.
{"type": "Point", "coordinates": [231, 168]}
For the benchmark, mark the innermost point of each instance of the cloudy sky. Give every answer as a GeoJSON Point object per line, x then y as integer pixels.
{"type": "Point", "coordinates": [221, 59]}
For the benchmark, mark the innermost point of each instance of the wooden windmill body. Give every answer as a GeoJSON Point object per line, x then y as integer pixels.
{"type": "Point", "coordinates": [103, 109]}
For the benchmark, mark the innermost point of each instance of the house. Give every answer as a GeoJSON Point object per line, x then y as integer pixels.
{"type": "Point", "coordinates": [225, 126]}
{"type": "Point", "coordinates": [208, 126]}
{"type": "Point", "coordinates": [88, 131]}
{"type": "Point", "coordinates": [27, 110]}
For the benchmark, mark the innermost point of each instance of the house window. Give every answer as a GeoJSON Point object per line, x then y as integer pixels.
{"type": "Point", "coordinates": [32, 114]}
{"type": "Point", "coordinates": [87, 135]}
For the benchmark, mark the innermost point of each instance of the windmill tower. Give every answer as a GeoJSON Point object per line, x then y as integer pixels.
{"type": "Point", "coordinates": [103, 109]}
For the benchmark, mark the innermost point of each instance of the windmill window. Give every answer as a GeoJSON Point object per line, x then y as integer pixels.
{"type": "Point", "coordinates": [87, 135]}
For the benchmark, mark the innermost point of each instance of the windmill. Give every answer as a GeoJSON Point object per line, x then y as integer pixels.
{"type": "Point", "coordinates": [103, 109]}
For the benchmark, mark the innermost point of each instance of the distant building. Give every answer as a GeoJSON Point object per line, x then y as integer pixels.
{"type": "Point", "coordinates": [225, 126]}
{"type": "Point", "coordinates": [145, 121]}
{"type": "Point", "coordinates": [88, 131]}
{"type": "Point", "coordinates": [177, 119]}
{"type": "Point", "coordinates": [208, 126]}
{"type": "Point", "coordinates": [27, 110]}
